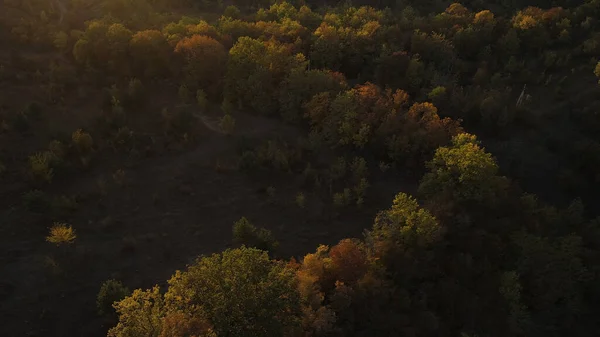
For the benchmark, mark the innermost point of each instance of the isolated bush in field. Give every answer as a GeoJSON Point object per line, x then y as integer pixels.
{"type": "Point", "coordinates": [124, 138]}
{"type": "Point", "coordinates": [64, 205]}
{"type": "Point", "coordinates": [227, 107]}
{"type": "Point", "coordinates": [245, 233]}
{"type": "Point", "coordinates": [82, 140]}
{"type": "Point", "coordinates": [201, 100]}
{"type": "Point", "coordinates": [271, 192]}
{"type": "Point", "coordinates": [36, 201]}
{"type": "Point", "coordinates": [300, 200]}
{"type": "Point", "coordinates": [227, 124]}
{"type": "Point", "coordinates": [597, 71]}
{"type": "Point", "coordinates": [40, 166]}
{"type": "Point", "coordinates": [342, 199]}
{"type": "Point", "coordinates": [58, 150]}
{"type": "Point", "coordinates": [119, 177]}
{"type": "Point", "coordinates": [384, 167]}
{"type": "Point", "coordinates": [61, 234]}
{"type": "Point", "coordinates": [110, 292]}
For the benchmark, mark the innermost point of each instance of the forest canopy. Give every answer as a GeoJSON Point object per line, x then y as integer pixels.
{"type": "Point", "coordinates": [460, 139]}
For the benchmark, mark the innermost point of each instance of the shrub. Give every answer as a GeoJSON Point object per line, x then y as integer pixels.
{"type": "Point", "coordinates": [342, 199]}
{"type": "Point", "coordinates": [271, 192]}
{"type": "Point", "coordinates": [227, 124]}
{"type": "Point", "coordinates": [63, 204]}
{"type": "Point", "coordinates": [110, 292]}
{"type": "Point", "coordinates": [58, 150]}
{"type": "Point", "coordinates": [82, 141]}
{"type": "Point", "coordinates": [597, 71]}
{"type": "Point", "coordinates": [40, 166]}
{"type": "Point", "coordinates": [227, 106]}
{"type": "Point", "coordinates": [36, 201]}
{"type": "Point", "coordinates": [245, 233]}
{"type": "Point", "coordinates": [119, 177]}
{"type": "Point", "coordinates": [201, 100]}
{"type": "Point", "coordinates": [301, 200]}
{"type": "Point", "coordinates": [61, 234]}
{"type": "Point", "coordinates": [232, 12]}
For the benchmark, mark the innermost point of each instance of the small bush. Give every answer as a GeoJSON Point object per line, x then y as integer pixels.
{"type": "Point", "coordinates": [342, 199]}
{"type": "Point", "coordinates": [119, 177]}
{"type": "Point", "coordinates": [61, 234]}
{"type": "Point", "coordinates": [36, 201]}
{"type": "Point", "coordinates": [40, 166]}
{"type": "Point", "coordinates": [58, 149]}
{"type": "Point", "coordinates": [271, 192]}
{"type": "Point", "coordinates": [227, 107]}
{"type": "Point", "coordinates": [123, 139]}
{"type": "Point", "coordinates": [82, 141]}
{"type": "Point", "coordinates": [301, 200]}
{"type": "Point", "coordinates": [64, 205]}
{"type": "Point", "coordinates": [110, 292]}
{"type": "Point", "coordinates": [201, 100]}
{"type": "Point", "coordinates": [245, 233]}
{"type": "Point", "coordinates": [232, 12]}
{"type": "Point", "coordinates": [227, 124]}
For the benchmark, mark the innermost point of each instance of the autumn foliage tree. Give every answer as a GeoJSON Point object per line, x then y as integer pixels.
{"type": "Point", "coordinates": [204, 62]}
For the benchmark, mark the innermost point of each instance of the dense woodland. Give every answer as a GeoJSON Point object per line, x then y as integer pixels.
{"type": "Point", "coordinates": [179, 168]}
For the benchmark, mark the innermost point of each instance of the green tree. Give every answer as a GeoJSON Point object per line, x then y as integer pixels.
{"type": "Point", "coordinates": [204, 60]}
{"type": "Point", "coordinates": [255, 72]}
{"type": "Point", "coordinates": [462, 172]}
{"type": "Point", "coordinates": [110, 292]}
{"type": "Point", "coordinates": [140, 315]}
{"type": "Point", "coordinates": [264, 302]}
{"type": "Point", "coordinates": [245, 233]}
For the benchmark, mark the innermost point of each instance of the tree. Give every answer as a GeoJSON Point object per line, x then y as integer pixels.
{"type": "Point", "coordinates": [266, 301]}
{"type": "Point", "coordinates": [462, 172]}
{"type": "Point", "coordinates": [245, 233]}
{"type": "Point", "coordinates": [255, 72]}
{"type": "Point", "coordinates": [110, 292]}
{"type": "Point", "coordinates": [597, 71]}
{"type": "Point", "coordinates": [140, 315]}
{"type": "Point", "coordinates": [204, 61]}
{"type": "Point", "coordinates": [151, 54]}
{"type": "Point", "coordinates": [404, 227]}
{"type": "Point", "coordinates": [301, 85]}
